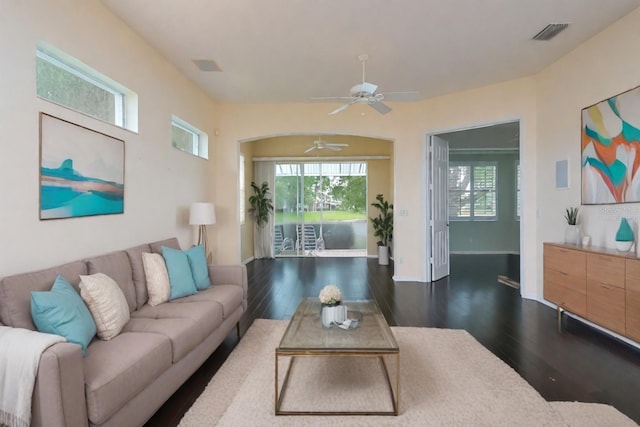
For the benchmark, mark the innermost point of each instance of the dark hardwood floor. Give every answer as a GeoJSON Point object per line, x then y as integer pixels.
{"type": "Point", "coordinates": [576, 363]}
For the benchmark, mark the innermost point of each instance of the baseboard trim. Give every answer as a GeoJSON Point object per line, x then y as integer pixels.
{"type": "Point", "coordinates": [248, 260]}
{"type": "Point", "coordinates": [407, 279]}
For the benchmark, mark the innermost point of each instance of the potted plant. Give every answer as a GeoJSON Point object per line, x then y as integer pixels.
{"type": "Point", "coordinates": [572, 232]}
{"type": "Point", "coordinates": [383, 227]}
{"type": "Point", "coordinates": [261, 208]}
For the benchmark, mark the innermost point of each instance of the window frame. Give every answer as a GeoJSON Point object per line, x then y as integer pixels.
{"type": "Point", "coordinates": [472, 164]}
{"type": "Point", "coordinates": [518, 173]}
{"type": "Point", "coordinates": [200, 139]}
{"type": "Point", "coordinates": [125, 100]}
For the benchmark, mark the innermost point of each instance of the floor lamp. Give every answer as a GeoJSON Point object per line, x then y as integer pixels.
{"type": "Point", "coordinates": [203, 214]}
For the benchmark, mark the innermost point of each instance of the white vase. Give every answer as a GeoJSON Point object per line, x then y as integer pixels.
{"type": "Point", "coordinates": [336, 313]}
{"type": "Point", "coordinates": [623, 246]}
{"type": "Point", "coordinates": [383, 255]}
{"type": "Point", "coordinates": [572, 234]}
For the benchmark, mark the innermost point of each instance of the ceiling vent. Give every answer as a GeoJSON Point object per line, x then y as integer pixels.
{"type": "Point", "coordinates": [550, 31]}
{"type": "Point", "coordinates": [207, 65]}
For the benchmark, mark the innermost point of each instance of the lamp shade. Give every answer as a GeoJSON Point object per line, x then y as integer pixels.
{"type": "Point", "coordinates": [202, 214]}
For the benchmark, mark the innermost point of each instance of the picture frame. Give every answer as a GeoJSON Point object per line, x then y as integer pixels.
{"type": "Point", "coordinates": [610, 150]}
{"type": "Point", "coordinates": [81, 170]}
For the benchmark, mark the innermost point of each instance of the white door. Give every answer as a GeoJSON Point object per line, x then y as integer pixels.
{"type": "Point", "coordinates": [439, 167]}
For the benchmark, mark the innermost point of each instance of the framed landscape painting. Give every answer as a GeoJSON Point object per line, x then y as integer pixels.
{"type": "Point", "coordinates": [81, 171]}
{"type": "Point", "coordinates": [610, 141]}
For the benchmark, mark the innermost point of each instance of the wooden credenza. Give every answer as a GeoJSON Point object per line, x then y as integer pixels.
{"type": "Point", "coordinates": [599, 284]}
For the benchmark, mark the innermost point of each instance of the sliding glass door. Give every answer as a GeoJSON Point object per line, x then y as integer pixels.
{"type": "Point", "coordinates": [320, 209]}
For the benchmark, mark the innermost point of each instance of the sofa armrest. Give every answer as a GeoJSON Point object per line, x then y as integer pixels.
{"type": "Point", "coordinates": [58, 396]}
{"type": "Point", "coordinates": [235, 274]}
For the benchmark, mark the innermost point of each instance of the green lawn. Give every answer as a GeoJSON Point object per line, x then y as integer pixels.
{"type": "Point", "coordinates": [315, 216]}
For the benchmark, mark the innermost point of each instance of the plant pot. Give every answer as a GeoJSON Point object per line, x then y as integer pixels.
{"type": "Point", "coordinates": [572, 234]}
{"type": "Point", "coordinates": [336, 313]}
{"type": "Point", "coordinates": [383, 255]}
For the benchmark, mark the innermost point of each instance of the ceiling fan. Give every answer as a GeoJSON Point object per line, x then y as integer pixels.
{"type": "Point", "coordinates": [365, 93]}
{"type": "Point", "coordinates": [319, 144]}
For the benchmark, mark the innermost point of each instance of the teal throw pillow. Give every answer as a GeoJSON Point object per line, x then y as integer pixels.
{"type": "Point", "coordinates": [199, 268]}
{"type": "Point", "coordinates": [180, 277]}
{"type": "Point", "coordinates": [61, 311]}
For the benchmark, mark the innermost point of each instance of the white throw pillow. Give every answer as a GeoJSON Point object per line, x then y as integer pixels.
{"type": "Point", "coordinates": [155, 271]}
{"type": "Point", "coordinates": [106, 302]}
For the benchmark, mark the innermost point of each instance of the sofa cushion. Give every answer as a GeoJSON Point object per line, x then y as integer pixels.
{"type": "Point", "coordinates": [180, 277]}
{"type": "Point", "coordinates": [203, 313]}
{"type": "Point", "coordinates": [15, 291]}
{"type": "Point", "coordinates": [228, 296]}
{"type": "Point", "coordinates": [117, 266]}
{"type": "Point", "coordinates": [199, 268]}
{"type": "Point", "coordinates": [115, 371]}
{"type": "Point", "coordinates": [156, 247]}
{"type": "Point", "coordinates": [62, 312]}
{"type": "Point", "coordinates": [137, 270]}
{"type": "Point", "coordinates": [106, 302]}
{"type": "Point", "coordinates": [185, 334]}
{"type": "Point", "coordinates": [157, 277]}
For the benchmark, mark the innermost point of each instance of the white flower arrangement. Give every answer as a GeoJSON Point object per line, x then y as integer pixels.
{"type": "Point", "coordinates": [330, 295]}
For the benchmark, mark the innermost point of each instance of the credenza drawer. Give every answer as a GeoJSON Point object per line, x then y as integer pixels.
{"type": "Point", "coordinates": [564, 260]}
{"type": "Point", "coordinates": [632, 275]}
{"type": "Point", "coordinates": [632, 311]}
{"type": "Point", "coordinates": [567, 298]}
{"type": "Point", "coordinates": [573, 282]}
{"type": "Point", "coordinates": [606, 305]}
{"type": "Point", "coordinates": [606, 269]}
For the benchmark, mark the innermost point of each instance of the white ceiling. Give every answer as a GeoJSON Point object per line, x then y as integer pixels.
{"type": "Point", "coordinates": [274, 51]}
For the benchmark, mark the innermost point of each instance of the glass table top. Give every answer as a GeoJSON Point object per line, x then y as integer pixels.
{"type": "Point", "coordinates": [306, 333]}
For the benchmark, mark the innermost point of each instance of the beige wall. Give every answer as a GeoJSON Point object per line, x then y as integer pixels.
{"type": "Point", "coordinates": [600, 68]}
{"type": "Point", "coordinates": [407, 126]}
{"type": "Point", "coordinates": [160, 182]}
{"type": "Point", "coordinates": [380, 177]}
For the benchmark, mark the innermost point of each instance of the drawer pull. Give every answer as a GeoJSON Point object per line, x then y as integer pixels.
{"type": "Point", "coordinates": [605, 286]}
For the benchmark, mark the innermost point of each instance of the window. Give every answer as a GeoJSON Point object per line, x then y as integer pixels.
{"type": "Point", "coordinates": [472, 191]}
{"type": "Point", "coordinates": [188, 138]}
{"type": "Point", "coordinates": [64, 80]}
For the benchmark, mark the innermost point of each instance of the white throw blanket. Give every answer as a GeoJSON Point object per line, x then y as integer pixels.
{"type": "Point", "coordinates": [20, 351]}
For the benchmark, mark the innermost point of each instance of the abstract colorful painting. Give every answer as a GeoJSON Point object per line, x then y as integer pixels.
{"type": "Point", "coordinates": [81, 171]}
{"type": "Point", "coordinates": [611, 150]}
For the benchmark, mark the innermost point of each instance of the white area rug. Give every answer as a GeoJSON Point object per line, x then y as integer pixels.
{"type": "Point", "coordinates": [446, 378]}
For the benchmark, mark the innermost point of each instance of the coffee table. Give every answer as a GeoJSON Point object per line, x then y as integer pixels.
{"type": "Point", "coordinates": [306, 337]}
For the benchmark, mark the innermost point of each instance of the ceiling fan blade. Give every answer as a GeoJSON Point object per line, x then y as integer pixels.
{"type": "Point", "coordinates": [380, 107]}
{"type": "Point", "coordinates": [401, 96]}
{"type": "Point", "coordinates": [310, 149]}
{"type": "Point", "coordinates": [336, 144]}
{"type": "Point", "coordinates": [333, 148]}
{"type": "Point", "coordinates": [343, 107]}
{"type": "Point", "coordinates": [330, 98]}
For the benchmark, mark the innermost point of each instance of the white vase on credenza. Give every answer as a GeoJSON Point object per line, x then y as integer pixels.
{"type": "Point", "coordinates": [572, 234]}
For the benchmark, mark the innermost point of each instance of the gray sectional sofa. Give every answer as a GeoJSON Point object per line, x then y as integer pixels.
{"type": "Point", "coordinates": [123, 381]}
